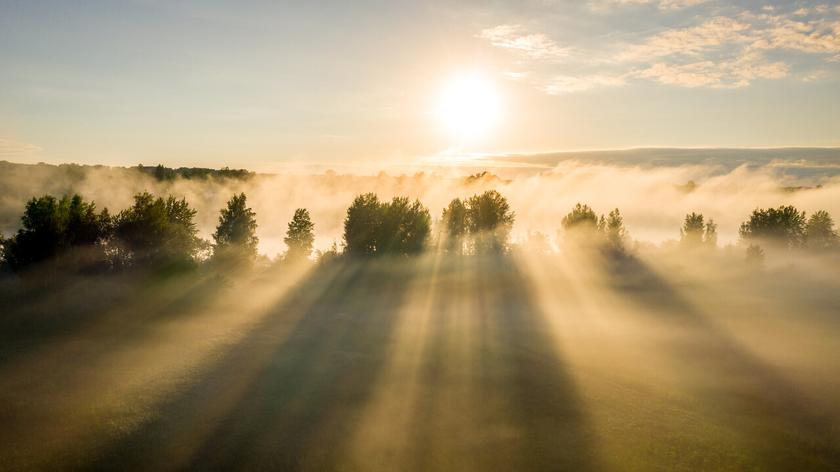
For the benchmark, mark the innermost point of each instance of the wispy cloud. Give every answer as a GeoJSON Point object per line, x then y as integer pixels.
{"type": "Point", "coordinates": [723, 51]}
{"type": "Point", "coordinates": [534, 45]}
{"type": "Point", "coordinates": [711, 34]}
{"type": "Point", "coordinates": [11, 148]}
{"type": "Point", "coordinates": [606, 5]}
{"type": "Point", "coordinates": [564, 84]}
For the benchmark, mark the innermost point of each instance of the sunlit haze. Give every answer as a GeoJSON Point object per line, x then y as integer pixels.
{"type": "Point", "coordinates": [265, 84]}
{"type": "Point", "coordinates": [438, 235]}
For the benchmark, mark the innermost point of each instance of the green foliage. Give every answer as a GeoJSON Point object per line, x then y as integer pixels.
{"type": "Point", "coordinates": [696, 231]}
{"type": "Point", "coordinates": [455, 224]}
{"type": "Point", "coordinates": [162, 173]}
{"type": "Point", "coordinates": [405, 227]}
{"type": "Point", "coordinates": [361, 225]}
{"type": "Point", "coordinates": [51, 227]}
{"type": "Point", "coordinates": [784, 225]}
{"type": "Point", "coordinates": [300, 236]}
{"type": "Point", "coordinates": [581, 217]}
{"type": "Point", "coordinates": [157, 231]}
{"type": "Point", "coordinates": [819, 231]}
{"type": "Point", "coordinates": [614, 230]}
{"type": "Point", "coordinates": [489, 220]}
{"type": "Point", "coordinates": [609, 232]}
{"type": "Point", "coordinates": [398, 227]}
{"type": "Point", "coordinates": [235, 236]}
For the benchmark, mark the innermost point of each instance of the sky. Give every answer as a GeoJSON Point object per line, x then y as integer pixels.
{"type": "Point", "coordinates": [263, 85]}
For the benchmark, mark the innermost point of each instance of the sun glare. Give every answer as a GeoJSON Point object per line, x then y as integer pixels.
{"type": "Point", "coordinates": [468, 106]}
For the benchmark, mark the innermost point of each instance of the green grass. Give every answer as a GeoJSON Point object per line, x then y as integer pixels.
{"type": "Point", "coordinates": [436, 363]}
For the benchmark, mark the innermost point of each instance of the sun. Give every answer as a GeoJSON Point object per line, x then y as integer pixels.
{"type": "Point", "coordinates": [469, 106]}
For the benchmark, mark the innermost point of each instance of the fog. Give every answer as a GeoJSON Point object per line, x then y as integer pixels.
{"type": "Point", "coordinates": [653, 198]}
{"type": "Point", "coordinates": [578, 359]}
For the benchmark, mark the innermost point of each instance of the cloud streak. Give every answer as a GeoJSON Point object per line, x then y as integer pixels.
{"type": "Point", "coordinates": [720, 51]}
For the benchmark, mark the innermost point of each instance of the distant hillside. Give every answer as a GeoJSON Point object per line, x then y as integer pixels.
{"type": "Point", "coordinates": [796, 162]}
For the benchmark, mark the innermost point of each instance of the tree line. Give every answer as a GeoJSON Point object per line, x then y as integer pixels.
{"type": "Point", "coordinates": [160, 232]}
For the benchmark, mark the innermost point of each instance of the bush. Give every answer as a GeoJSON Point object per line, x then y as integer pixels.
{"type": "Point", "coordinates": [157, 231]}
{"type": "Point", "coordinates": [300, 235]}
{"type": "Point", "coordinates": [375, 228]}
{"type": "Point", "coordinates": [235, 237]}
{"type": "Point", "coordinates": [783, 226]}
{"type": "Point", "coordinates": [51, 228]}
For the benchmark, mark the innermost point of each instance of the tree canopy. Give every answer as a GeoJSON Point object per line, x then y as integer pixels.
{"type": "Point", "coordinates": [697, 231]}
{"type": "Point", "coordinates": [784, 226]}
{"type": "Point", "coordinates": [157, 230]}
{"type": "Point", "coordinates": [819, 231]}
{"type": "Point", "coordinates": [399, 227]}
{"type": "Point", "coordinates": [300, 235]}
{"type": "Point", "coordinates": [51, 227]}
{"type": "Point", "coordinates": [235, 236]}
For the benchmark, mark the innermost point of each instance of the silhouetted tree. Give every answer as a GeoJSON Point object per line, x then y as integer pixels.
{"type": "Point", "coordinates": [405, 227]}
{"type": "Point", "coordinates": [397, 227]}
{"type": "Point", "coordinates": [784, 225]}
{"type": "Point", "coordinates": [235, 238]}
{"type": "Point", "coordinates": [455, 224]}
{"type": "Point", "coordinates": [300, 236]}
{"type": "Point", "coordinates": [614, 230]}
{"type": "Point", "coordinates": [489, 220]}
{"type": "Point", "coordinates": [710, 235]}
{"type": "Point", "coordinates": [361, 225]}
{"type": "Point", "coordinates": [696, 231]}
{"type": "Point", "coordinates": [157, 231]}
{"type": "Point", "coordinates": [581, 217]}
{"type": "Point", "coordinates": [819, 231]}
{"type": "Point", "coordinates": [51, 227]}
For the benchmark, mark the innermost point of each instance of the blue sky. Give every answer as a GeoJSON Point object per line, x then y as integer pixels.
{"type": "Point", "coordinates": [261, 84]}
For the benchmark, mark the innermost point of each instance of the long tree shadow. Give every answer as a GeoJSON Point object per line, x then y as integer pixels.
{"type": "Point", "coordinates": [793, 434]}
{"type": "Point", "coordinates": [287, 396]}
{"type": "Point", "coordinates": [523, 410]}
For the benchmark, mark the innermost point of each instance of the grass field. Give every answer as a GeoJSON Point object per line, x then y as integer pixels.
{"type": "Point", "coordinates": [436, 363]}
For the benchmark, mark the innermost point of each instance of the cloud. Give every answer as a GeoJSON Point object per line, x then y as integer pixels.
{"type": "Point", "coordinates": [809, 36]}
{"type": "Point", "coordinates": [565, 84]}
{"type": "Point", "coordinates": [607, 5]}
{"type": "Point", "coordinates": [727, 74]}
{"type": "Point", "coordinates": [12, 148]}
{"type": "Point", "coordinates": [711, 34]}
{"type": "Point", "coordinates": [718, 52]}
{"type": "Point", "coordinates": [535, 45]}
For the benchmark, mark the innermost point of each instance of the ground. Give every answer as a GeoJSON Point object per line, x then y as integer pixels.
{"type": "Point", "coordinates": [432, 363]}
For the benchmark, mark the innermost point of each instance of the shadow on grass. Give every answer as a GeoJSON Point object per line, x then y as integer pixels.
{"type": "Point", "coordinates": [288, 394]}
{"type": "Point", "coordinates": [496, 394]}
{"type": "Point", "coordinates": [790, 432]}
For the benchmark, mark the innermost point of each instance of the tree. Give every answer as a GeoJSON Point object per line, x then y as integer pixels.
{"type": "Point", "coordinates": [157, 231]}
{"type": "Point", "coordinates": [614, 230]}
{"type": "Point", "coordinates": [784, 225]}
{"type": "Point", "coordinates": [300, 236]}
{"type": "Point", "coordinates": [580, 218]}
{"type": "Point", "coordinates": [489, 220]}
{"type": "Point", "coordinates": [361, 225]}
{"type": "Point", "coordinates": [375, 228]}
{"type": "Point", "coordinates": [710, 235]}
{"type": "Point", "coordinates": [50, 228]}
{"type": "Point", "coordinates": [696, 231]}
{"type": "Point", "coordinates": [405, 227]}
{"type": "Point", "coordinates": [455, 223]}
{"type": "Point", "coordinates": [235, 237]}
{"type": "Point", "coordinates": [819, 231]}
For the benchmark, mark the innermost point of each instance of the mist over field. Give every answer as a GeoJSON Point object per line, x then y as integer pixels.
{"type": "Point", "coordinates": [556, 354]}
{"type": "Point", "coordinates": [654, 189]}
